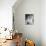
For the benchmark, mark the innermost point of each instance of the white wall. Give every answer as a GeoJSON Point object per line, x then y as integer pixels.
{"type": "Point", "coordinates": [29, 31]}
{"type": "Point", "coordinates": [6, 13]}
{"type": "Point", "coordinates": [43, 22]}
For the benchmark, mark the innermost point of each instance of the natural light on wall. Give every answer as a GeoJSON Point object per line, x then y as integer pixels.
{"type": "Point", "coordinates": [6, 18]}
{"type": "Point", "coordinates": [6, 13]}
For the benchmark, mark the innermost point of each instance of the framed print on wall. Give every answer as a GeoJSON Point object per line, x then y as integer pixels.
{"type": "Point", "coordinates": [29, 19]}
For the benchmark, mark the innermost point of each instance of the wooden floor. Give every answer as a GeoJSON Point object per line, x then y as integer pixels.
{"type": "Point", "coordinates": [9, 43]}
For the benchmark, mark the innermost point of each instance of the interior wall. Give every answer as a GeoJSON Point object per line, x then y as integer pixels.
{"type": "Point", "coordinates": [6, 13]}
{"type": "Point", "coordinates": [29, 31]}
{"type": "Point", "coordinates": [43, 22]}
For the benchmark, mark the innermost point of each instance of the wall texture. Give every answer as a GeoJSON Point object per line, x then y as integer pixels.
{"type": "Point", "coordinates": [29, 31]}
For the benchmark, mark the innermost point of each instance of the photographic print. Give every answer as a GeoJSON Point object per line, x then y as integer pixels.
{"type": "Point", "coordinates": [29, 19]}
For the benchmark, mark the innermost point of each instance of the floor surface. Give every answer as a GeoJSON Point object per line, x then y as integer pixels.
{"type": "Point", "coordinates": [9, 43]}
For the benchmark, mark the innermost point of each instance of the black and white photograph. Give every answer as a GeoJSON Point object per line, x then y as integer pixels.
{"type": "Point", "coordinates": [29, 19]}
